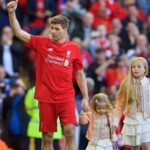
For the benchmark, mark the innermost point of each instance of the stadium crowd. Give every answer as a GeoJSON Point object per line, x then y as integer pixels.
{"type": "Point", "coordinates": [109, 32]}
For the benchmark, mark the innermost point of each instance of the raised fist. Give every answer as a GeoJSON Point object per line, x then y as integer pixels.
{"type": "Point", "coordinates": [12, 6]}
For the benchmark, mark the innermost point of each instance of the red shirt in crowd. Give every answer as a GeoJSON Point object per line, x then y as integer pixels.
{"type": "Point", "coordinates": [112, 10]}
{"type": "Point", "coordinates": [54, 69]}
{"type": "Point", "coordinates": [38, 22]}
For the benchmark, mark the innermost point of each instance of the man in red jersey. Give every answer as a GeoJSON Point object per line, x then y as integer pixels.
{"type": "Point", "coordinates": [57, 59]}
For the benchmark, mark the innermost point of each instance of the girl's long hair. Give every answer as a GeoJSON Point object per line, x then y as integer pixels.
{"type": "Point", "coordinates": [99, 96]}
{"type": "Point", "coordinates": [128, 82]}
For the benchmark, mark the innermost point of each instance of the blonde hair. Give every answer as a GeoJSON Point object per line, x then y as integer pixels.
{"type": "Point", "coordinates": [128, 82]}
{"type": "Point", "coordinates": [105, 99]}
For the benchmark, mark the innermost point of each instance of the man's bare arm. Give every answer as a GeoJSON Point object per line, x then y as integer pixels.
{"type": "Point", "coordinates": [22, 35]}
{"type": "Point", "coordinates": [81, 80]}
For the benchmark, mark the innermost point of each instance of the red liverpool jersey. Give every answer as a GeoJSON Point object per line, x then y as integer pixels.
{"type": "Point", "coordinates": [54, 68]}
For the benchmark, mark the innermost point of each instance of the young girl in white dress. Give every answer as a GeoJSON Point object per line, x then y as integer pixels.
{"type": "Point", "coordinates": [133, 99]}
{"type": "Point", "coordinates": [100, 131]}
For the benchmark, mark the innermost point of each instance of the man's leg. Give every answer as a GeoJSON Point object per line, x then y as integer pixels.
{"type": "Point", "coordinates": [47, 141]}
{"type": "Point", "coordinates": [48, 124]}
{"type": "Point", "coordinates": [68, 118]}
{"type": "Point", "coordinates": [69, 133]}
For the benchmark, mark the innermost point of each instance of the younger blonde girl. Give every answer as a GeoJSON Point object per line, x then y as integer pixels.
{"type": "Point", "coordinates": [100, 130]}
{"type": "Point", "coordinates": [133, 99]}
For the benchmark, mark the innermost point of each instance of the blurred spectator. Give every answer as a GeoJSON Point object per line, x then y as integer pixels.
{"type": "Point", "coordinates": [118, 71]}
{"type": "Point", "coordinates": [140, 12]}
{"type": "Point", "coordinates": [86, 57]}
{"type": "Point", "coordinates": [121, 69]}
{"type": "Point", "coordinates": [117, 26]}
{"type": "Point", "coordinates": [10, 52]}
{"type": "Point", "coordinates": [99, 40]}
{"type": "Point", "coordinates": [145, 5]}
{"type": "Point", "coordinates": [31, 106]}
{"type": "Point", "coordinates": [133, 16]}
{"type": "Point", "coordinates": [114, 49]}
{"type": "Point", "coordinates": [21, 12]}
{"type": "Point", "coordinates": [147, 27]}
{"type": "Point", "coordinates": [91, 42]}
{"type": "Point", "coordinates": [104, 11]}
{"type": "Point", "coordinates": [15, 117]}
{"type": "Point", "coordinates": [140, 49]}
{"type": "Point", "coordinates": [38, 11]}
{"type": "Point", "coordinates": [128, 2]}
{"type": "Point", "coordinates": [23, 4]}
{"type": "Point", "coordinates": [86, 3]}
{"type": "Point", "coordinates": [116, 9]}
{"type": "Point", "coordinates": [102, 14]}
{"type": "Point", "coordinates": [83, 31]}
{"type": "Point", "coordinates": [121, 33]}
{"type": "Point", "coordinates": [74, 12]}
{"type": "Point", "coordinates": [96, 70]}
{"type": "Point", "coordinates": [61, 6]}
{"type": "Point", "coordinates": [46, 31]}
{"type": "Point", "coordinates": [103, 40]}
{"type": "Point", "coordinates": [4, 91]}
{"type": "Point", "coordinates": [3, 15]}
{"type": "Point", "coordinates": [4, 83]}
{"type": "Point", "coordinates": [129, 36]}
{"type": "Point", "coordinates": [141, 46]}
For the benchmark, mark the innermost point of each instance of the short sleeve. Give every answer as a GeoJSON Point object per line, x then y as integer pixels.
{"type": "Point", "coordinates": [78, 60]}
{"type": "Point", "coordinates": [35, 42]}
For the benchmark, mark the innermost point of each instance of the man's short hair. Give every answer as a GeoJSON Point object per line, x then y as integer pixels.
{"type": "Point", "coordinates": [60, 19]}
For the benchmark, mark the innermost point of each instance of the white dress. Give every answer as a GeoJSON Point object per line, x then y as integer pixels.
{"type": "Point", "coordinates": [136, 131]}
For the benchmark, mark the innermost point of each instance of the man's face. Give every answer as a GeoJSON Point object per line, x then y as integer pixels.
{"type": "Point", "coordinates": [7, 34]}
{"type": "Point", "coordinates": [57, 32]}
{"type": "Point", "coordinates": [100, 57]}
{"type": "Point", "coordinates": [132, 10]}
{"type": "Point", "coordinates": [88, 19]}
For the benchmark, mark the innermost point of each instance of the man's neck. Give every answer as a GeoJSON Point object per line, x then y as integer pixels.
{"type": "Point", "coordinates": [60, 41]}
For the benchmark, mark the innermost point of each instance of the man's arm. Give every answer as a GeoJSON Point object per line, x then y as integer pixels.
{"type": "Point", "coordinates": [81, 80]}
{"type": "Point", "coordinates": [22, 35]}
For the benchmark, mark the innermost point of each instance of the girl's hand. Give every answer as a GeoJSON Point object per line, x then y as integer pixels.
{"type": "Point", "coordinates": [83, 118]}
